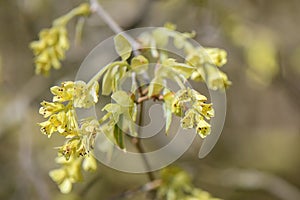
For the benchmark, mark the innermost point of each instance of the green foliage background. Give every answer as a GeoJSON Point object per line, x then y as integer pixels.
{"type": "Point", "coordinates": [259, 147]}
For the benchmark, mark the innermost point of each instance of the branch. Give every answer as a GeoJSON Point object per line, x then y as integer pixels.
{"type": "Point", "coordinates": [253, 180]}
{"type": "Point", "coordinates": [27, 165]}
{"type": "Point", "coordinates": [98, 9]}
{"type": "Point", "coordinates": [137, 142]}
{"type": "Point", "coordinates": [113, 25]}
{"type": "Point", "coordinates": [249, 180]}
{"type": "Point", "coordinates": [291, 89]}
{"type": "Point", "coordinates": [144, 188]}
{"type": "Point", "coordinates": [88, 186]}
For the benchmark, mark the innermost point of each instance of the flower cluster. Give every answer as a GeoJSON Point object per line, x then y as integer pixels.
{"type": "Point", "coordinates": [205, 61]}
{"type": "Point", "coordinates": [62, 118]}
{"type": "Point", "coordinates": [77, 151]}
{"type": "Point", "coordinates": [53, 43]}
{"type": "Point", "coordinates": [61, 112]}
{"type": "Point", "coordinates": [202, 61]}
{"type": "Point", "coordinates": [121, 116]}
{"type": "Point", "coordinates": [194, 117]}
{"type": "Point", "coordinates": [71, 171]}
{"type": "Point", "coordinates": [177, 185]}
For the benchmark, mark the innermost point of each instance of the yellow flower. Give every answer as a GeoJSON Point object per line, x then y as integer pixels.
{"type": "Point", "coordinates": [49, 108]}
{"type": "Point", "coordinates": [84, 96]}
{"type": "Point", "coordinates": [50, 49]}
{"type": "Point", "coordinates": [215, 78]}
{"type": "Point", "coordinates": [183, 95]}
{"type": "Point", "coordinates": [79, 92]}
{"type": "Point", "coordinates": [71, 148]}
{"type": "Point", "coordinates": [177, 107]}
{"type": "Point", "coordinates": [217, 56]}
{"type": "Point", "coordinates": [63, 93]}
{"type": "Point", "coordinates": [67, 175]}
{"type": "Point", "coordinates": [196, 96]}
{"type": "Point", "coordinates": [55, 123]}
{"type": "Point", "coordinates": [53, 43]}
{"type": "Point", "coordinates": [219, 80]}
{"type": "Point", "coordinates": [203, 128]}
{"type": "Point", "coordinates": [89, 163]}
{"type": "Point", "coordinates": [47, 128]}
{"type": "Point", "coordinates": [90, 126]}
{"type": "Point", "coordinates": [188, 120]}
{"type": "Point", "coordinates": [205, 109]}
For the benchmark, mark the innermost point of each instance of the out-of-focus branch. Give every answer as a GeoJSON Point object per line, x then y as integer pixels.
{"type": "Point", "coordinates": [114, 26]}
{"type": "Point", "coordinates": [250, 179]}
{"type": "Point", "coordinates": [144, 188]}
{"type": "Point", "coordinates": [292, 90]}
{"type": "Point", "coordinates": [16, 109]}
{"type": "Point", "coordinates": [257, 180]}
{"type": "Point", "coordinates": [90, 184]}
{"type": "Point", "coordinates": [27, 166]}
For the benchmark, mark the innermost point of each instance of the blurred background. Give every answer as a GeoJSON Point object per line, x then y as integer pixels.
{"type": "Point", "coordinates": [258, 154]}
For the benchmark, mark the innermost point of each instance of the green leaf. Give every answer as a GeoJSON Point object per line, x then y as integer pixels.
{"type": "Point", "coordinates": [122, 98]}
{"type": "Point", "coordinates": [129, 125]}
{"type": "Point", "coordinates": [184, 69]}
{"type": "Point", "coordinates": [139, 64]}
{"type": "Point", "coordinates": [167, 107]}
{"type": "Point", "coordinates": [123, 46]}
{"type": "Point", "coordinates": [118, 135]}
{"type": "Point", "coordinates": [107, 83]}
{"type": "Point", "coordinates": [180, 68]}
{"type": "Point", "coordinates": [114, 109]}
{"type": "Point", "coordinates": [155, 86]}
{"type": "Point", "coordinates": [119, 74]}
{"type": "Point", "coordinates": [168, 116]}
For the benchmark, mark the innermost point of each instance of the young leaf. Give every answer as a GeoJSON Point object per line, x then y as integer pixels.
{"type": "Point", "coordinates": [167, 106]}
{"type": "Point", "coordinates": [118, 135]}
{"type": "Point", "coordinates": [139, 64]}
{"type": "Point", "coordinates": [123, 46]}
{"type": "Point", "coordinates": [168, 116]}
{"type": "Point", "coordinates": [122, 98]}
{"type": "Point", "coordinates": [155, 86]}
{"type": "Point", "coordinates": [107, 83]}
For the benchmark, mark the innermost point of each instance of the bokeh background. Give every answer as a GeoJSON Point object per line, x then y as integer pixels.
{"type": "Point", "coordinates": [258, 154]}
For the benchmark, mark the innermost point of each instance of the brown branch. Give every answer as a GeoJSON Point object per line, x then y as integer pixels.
{"type": "Point", "coordinates": [145, 98]}
{"type": "Point", "coordinates": [137, 142]}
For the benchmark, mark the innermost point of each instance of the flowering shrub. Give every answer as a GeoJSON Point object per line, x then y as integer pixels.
{"type": "Point", "coordinates": [76, 154]}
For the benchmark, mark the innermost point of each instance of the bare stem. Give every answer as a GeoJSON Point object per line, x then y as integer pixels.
{"type": "Point", "coordinates": [137, 142]}
{"type": "Point", "coordinates": [114, 26]}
